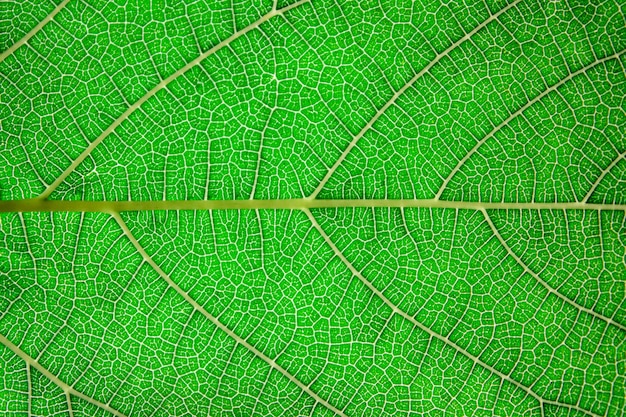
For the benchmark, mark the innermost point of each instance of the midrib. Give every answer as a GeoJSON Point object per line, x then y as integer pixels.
{"type": "Point", "coordinates": [40, 205]}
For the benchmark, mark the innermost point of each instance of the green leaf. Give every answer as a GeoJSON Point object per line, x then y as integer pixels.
{"type": "Point", "coordinates": [312, 208]}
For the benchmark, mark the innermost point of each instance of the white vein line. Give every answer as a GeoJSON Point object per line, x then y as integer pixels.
{"type": "Point", "coordinates": [271, 362]}
{"type": "Point", "coordinates": [258, 400]}
{"type": "Point", "coordinates": [424, 328]}
{"type": "Point", "coordinates": [519, 112]}
{"type": "Point", "coordinates": [401, 91]}
{"type": "Point", "coordinates": [124, 116]}
{"type": "Point", "coordinates": [33, 31]}
{"type": "Point", "coordinates": [66, 388]}
{"type": "Point", "coordinates": [602, 175]}
{"type": "Point", "coordinates": [547, 286]}
{"type": "Point", "coordinates": [259, 160]}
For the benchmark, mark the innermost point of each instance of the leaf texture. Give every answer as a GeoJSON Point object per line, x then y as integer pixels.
{"type": "Point", "coordinates": [312, 208]}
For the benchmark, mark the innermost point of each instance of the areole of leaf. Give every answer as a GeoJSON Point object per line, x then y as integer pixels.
{"type": "Point", "coordinates": [312, 208]}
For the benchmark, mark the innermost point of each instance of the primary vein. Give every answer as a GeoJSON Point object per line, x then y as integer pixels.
{"type": "Point", "coordinates": [38, 205]}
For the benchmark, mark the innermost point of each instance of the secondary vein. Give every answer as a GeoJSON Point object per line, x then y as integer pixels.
{"type": "Point", "coordinates": [515, 114]}
{"type": "Point", "coordinates": [33, 31]}
{"type": "Point", "coordinates": [65, 387]}
{"type": "Point", "coordinates": [430, 332]}
{"type": "Point", "coordinates": [124, 116]}
{"type": "Point", "coordinates": [541, 281]}
{"type": "Point", "coordinates": [271, 362]}
{"type": "Point", "coordinates": [401, 91]}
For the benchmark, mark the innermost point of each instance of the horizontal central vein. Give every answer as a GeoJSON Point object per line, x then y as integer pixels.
{"type": "Point", "coordinates": [38, 205]}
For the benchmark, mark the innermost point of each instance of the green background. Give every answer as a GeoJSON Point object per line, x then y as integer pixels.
{"type": "Point", "coordinates": [377, 311]}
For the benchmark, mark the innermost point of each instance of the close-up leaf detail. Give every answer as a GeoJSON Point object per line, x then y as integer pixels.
{"type": "Point", "coordinates": [312, 208]}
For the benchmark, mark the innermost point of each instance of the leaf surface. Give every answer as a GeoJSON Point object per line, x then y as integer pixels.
{"type": "Point", "coordinates": [312, 208]}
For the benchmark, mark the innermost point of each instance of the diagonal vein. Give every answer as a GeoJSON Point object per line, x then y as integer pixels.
{"type": "Point", "coordinates": [521, 110]}
{"type": "Point", "coordinates": [68, 390]}
{"type": "Point", "coordinates": [164, 83]}
{"type": "Point", "coordinates": [432, 333]}
{"type": "Point", "coordinates": [547, 286]}
{"type": "Point", "coordinates": [401, 91]}
{"type": "Point", "coordinates": [68, 399]}
{"type": "Point", "coordinates": [602, 175]}
{"type": "Point", "coordinates": [33, 31]}
{"type": "Point", "coordinates": [271, 362]}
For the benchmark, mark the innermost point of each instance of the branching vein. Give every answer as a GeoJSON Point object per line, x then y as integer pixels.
{"type": "Point", "coordinates": [33, 31]}
{"type": "Point", "coordinates": [401, 91]}
{"type": "Point", "coordinates": [515, 114]}
{"type": "Point", "coordinates": [547, 286]}
{"type": "Point", "coordinates": [124, 116]}
{"type": "Point", "coordinates": [68, 390]}
{"type": "Point", "coordinates": [426, 329]}
{"type": "Point", "coordinates": [602, 175]}
{"type": "Point", "coordinates": [271, 362]}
